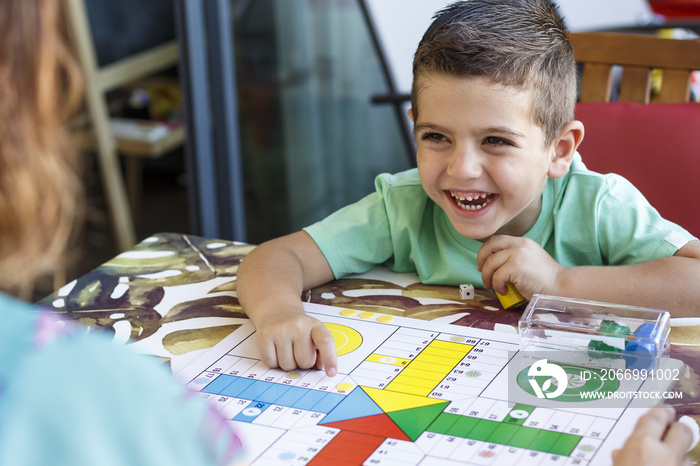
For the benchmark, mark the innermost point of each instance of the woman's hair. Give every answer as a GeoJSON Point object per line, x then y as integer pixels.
{"type": "Point", "coordinates": [40, 87]}
{"type": "Point", "coordinates": [520, 43]}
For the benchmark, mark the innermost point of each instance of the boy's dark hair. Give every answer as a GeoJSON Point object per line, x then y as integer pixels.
{"type": "Point", "coordinates": [521, 43]}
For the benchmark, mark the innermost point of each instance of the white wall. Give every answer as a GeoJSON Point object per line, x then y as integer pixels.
{"type": "Point", "coordinates": [400, 24]}
{"type": "Point", "coordinates": [582, 15]}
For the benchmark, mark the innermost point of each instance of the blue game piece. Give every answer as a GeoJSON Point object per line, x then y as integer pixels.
{"type": "Point", "coordinates": [641, 350]}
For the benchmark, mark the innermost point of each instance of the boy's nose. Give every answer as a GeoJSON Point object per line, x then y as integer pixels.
{"type": "Point", "coordinates": [464, 164]}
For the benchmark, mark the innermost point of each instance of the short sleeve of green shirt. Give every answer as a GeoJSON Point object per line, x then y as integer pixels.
{"type": "Point", "coordinates": [361, 235]}
{"type": "Point", "coordinates": [604, 220]}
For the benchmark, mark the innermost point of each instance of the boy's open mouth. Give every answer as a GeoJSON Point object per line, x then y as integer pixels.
{"type": "Point", "coordinates": [472, 201]}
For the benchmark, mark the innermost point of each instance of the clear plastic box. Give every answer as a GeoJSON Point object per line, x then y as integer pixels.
{"type": "Point", "coordinates": [600, 331]}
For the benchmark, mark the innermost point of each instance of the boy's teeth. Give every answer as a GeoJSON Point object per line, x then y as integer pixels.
{"type": "Point", "coordinates": [484, 198]}
{"type": "Point", "coordinates": [468, 198]}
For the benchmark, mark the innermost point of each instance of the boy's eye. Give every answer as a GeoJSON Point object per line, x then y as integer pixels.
{"type": "Point", "coordinates": [433, 137]}
{"type": "Point", "coordinates": [496, 141]}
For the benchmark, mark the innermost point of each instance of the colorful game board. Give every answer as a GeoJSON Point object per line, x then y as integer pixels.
{"type": "Point", "coordinates": [408, 392]}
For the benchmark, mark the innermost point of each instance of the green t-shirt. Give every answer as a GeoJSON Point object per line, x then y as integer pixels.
{"type": "Point", "coordinates": [587, 219]}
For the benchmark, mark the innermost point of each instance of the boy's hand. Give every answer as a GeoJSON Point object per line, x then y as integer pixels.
{"type": "Point", "coordinates": [656, 440]}
{"type": "Point", "coordinates": [520, 261]}
{"type": "Point", "coordinates": [287, 337]}
{"type": "Point", "coordinates": [294, 339]}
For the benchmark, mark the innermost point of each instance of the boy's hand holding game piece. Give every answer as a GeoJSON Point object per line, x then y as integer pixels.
{"type": "Point", "coordinates": [656, 440]}
{"type": "Point", "coordinates": [520, 261]}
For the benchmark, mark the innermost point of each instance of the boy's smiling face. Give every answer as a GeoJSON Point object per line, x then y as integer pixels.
{"type": "Point", "coordinates": [481, 157]}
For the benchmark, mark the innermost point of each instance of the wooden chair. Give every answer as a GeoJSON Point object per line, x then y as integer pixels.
{"type": "Point", "coordinates": [654, 146]}
{"type": "Point", "coordinates": [637, 54]}
{"type": "Point", "coordinates": [100, 81]}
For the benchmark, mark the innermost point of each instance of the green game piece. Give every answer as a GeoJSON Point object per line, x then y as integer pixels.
{"type": "Point", "coordinates": [612, 327]}
{"type": "Point", "coordinates": [609, 327]}
{"type": "Point", "coordinates": [597, 345]}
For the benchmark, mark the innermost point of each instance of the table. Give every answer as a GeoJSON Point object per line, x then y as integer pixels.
{"type": "Point", "coordinates": [173, 296]}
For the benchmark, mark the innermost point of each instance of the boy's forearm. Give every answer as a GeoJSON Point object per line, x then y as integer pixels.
{"type": "Point", "coordinates": [670, 283]}
{"type": "Point", "coordinates": [265, 280]}
{"type": "Point", "coordinates": [272, 277]}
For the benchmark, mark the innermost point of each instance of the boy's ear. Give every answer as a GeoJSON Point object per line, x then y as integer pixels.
{"type": "Point", "coordinates": [565, 147]}
{"type": "Point", "coordinates": [410, 115]}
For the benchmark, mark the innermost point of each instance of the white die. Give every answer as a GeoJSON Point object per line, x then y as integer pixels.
{"type": "Point", "coordinates": [466, 291]}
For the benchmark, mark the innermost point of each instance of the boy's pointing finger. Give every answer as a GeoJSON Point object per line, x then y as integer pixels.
{"type": "Point", "coordinates": [325, 343]}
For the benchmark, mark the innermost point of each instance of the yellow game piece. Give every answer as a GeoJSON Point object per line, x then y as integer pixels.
{"type": "Point", "coordinates": [512, 298]}
{"type": "Point", "coordinates": [347, 312]}
{"type": "Point", "coordinates": [366, 315]}
{"type": "Point", "coordinates": [385, 319]}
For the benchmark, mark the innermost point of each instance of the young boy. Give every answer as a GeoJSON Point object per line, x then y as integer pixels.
{"type": "Point", "coordinates": [500, 194]}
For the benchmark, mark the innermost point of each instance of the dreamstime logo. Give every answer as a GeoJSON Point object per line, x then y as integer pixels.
{"type": "Point", "coordinates": [554, 374]}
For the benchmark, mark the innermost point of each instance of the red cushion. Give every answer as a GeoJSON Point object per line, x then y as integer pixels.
{"type": "Point", "coordinates": [656, 147]}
